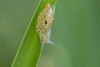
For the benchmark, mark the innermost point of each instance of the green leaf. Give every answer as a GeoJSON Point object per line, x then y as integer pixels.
{"type": "Point", "coordinates": [28, 53]}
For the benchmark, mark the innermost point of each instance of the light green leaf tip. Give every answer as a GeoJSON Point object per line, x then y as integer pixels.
{"type": "Point", "coordinates": [28, 53]}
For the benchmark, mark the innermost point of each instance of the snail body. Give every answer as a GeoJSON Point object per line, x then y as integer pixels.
{"type": "Point", "coordinates": [44, 22]}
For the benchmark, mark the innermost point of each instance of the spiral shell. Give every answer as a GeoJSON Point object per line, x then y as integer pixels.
{"type": "Point", "coordinates": [45, 20]}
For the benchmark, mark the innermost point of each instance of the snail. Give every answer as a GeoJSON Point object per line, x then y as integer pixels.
{"type": "Point", "coordinates": [43, 25]}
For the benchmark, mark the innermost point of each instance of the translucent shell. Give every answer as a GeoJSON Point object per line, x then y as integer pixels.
{"type": "Point", "coordinates": [45, 20]}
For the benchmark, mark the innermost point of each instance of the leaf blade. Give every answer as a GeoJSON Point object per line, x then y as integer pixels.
{"type": "Point", "coordinates": [28, 53]}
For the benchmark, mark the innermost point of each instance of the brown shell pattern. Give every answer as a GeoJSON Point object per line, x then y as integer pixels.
{"type": "Point", "coordinates": [45, 20]}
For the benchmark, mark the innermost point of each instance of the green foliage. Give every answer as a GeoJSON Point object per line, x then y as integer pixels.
{"type": "Point", "coordinates": [28, 52]}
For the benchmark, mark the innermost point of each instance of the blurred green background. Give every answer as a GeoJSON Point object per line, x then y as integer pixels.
{"type": "Point", "coordinates": [76, 30]}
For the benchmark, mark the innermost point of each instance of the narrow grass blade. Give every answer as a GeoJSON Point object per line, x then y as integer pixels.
{"type": "Point", "coordinates": [28, 52]}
